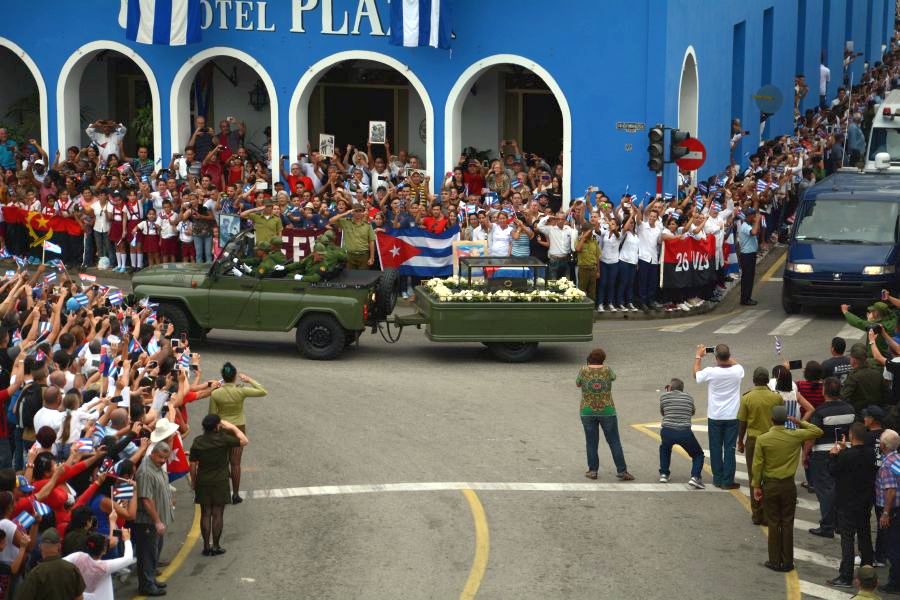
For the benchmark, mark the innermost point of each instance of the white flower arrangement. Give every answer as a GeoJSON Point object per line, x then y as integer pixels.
{"type": "Point", "coordinates": [453, 289]}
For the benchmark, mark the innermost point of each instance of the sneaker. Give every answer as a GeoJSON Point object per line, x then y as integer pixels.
{"type": "Point", "coordinates": [612, 308]}
{"type": "Point", "coordinates": [404, 294]}
{"type": "Point", "coordinates": [878, 563]}
{"type": "Point", "coordinates": [857, 560]}
{"type": "Point", "coordinates": [601, 309]}
{"type": "Point", "coordinates": [696, 483]}
{"type": "Point", "coordinates": [622, 308]}
{"type": "Point", "coordinates": [632, 307]}
{"type": "Point", "coordinates": [684, 306]}
{"type": "Point", "coordinates": [664, 479]}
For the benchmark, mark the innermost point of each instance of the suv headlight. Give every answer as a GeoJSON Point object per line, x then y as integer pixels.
{"type": "Point", "coordinates": [799, 267]}
{"type": "Point", "coordinates": [878, 270]}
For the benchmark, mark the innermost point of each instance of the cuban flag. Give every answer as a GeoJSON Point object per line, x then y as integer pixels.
{"type": "Point", "coordinates": [84, 446]}
{"type": "Point", "coordinates": [416, 252]}
{"type": "Point", "coordinates": [40, 508]}
{"type": "Point", "coordinates": [761, 185]}
{"type": "Point", "coordinates": [16, 337]}
{"type": "Point", "coordinates": [24, 520]}
{"type": "Point", "coordinates": [57, 263]}
{"type": "Point", "coordinates": [152, 346]}
{"type": "Point", "coordinates": [21, 262]}
{"type": "Point", "coordinates": [51, 247]}
{"type": "Point", "coordinates": [178, 465]}
{"type": "Point", "coordinates": [421, 23]}
{"type": "Point", "coordinates": [123, 492]}
{"type": "Point", "coordinates": [9, 275]}
{"type": "Point", "coordinates": [134, 346]}
{"type": "Point", "coordinates": [50, 277]}
{"type": "Point", "coordinates": [161, 22]}
{"type": "Point", "coordinates": [44, 327]}
{"type": "Point", "coordinates": [82, 299]}
{"type": "Point", "coordinates": [184, 361]}
{"type": "Point", "coordinates": [731, 259]}
{"type": "Point", "coordinates": [88, 278]}
{"type": "Point", "coordinates": [116, 297]}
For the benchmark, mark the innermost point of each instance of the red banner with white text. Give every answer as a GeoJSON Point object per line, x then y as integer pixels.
{"type": "Point", "coordinates": [689, 262]}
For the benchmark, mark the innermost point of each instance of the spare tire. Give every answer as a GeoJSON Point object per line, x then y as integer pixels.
{"type": "Point", "coordinates": [386, 293]}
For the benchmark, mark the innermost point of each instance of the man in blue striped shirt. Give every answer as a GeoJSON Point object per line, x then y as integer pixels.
{"type": "Point", "coordinates": [677, 408]}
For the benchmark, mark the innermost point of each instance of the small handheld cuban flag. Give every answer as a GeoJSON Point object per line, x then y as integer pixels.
{"type": "Point", "coordinates": [421, 23]}
{"type": "Point", "coordinates": [83, 446]}
{"type": "Point", "coordinates": [88, 278]}
{"type": "Point", "coordinates": [667, 196]}
{"type": "Point", "coordinates": [82, 299]}
{"type": "Point", "coordinates": [57, 263]}
{"type": "Point", "coordinates": [116, 298]}
{"type": "Point", "coordinates": [778, 344]}
{"type": "Point", "coordinates": [722, 181]}
{"type": "Point", "coordinates": [773, 186]}
{"type": "Point", "coordinates": [50, 277]}
{"type": "Point", "coordinates": [162, 22]}
{"type": "Point", "coordinates": [21, 262]}
{"type": "Point", "coordinates": [703, 187]}
{"type": "Point", "coordinates": [184, 361]}
{"type": "Point", "coordinates": [698, 200]}
{"type": "Point", "coordinates": [51, 247]}
{"type": "Point", "coordinates": [37, 291]}
{"type": "Point", "coordinates": [24, 520]}
{"type": "Point", "coordinates": [145, 303]}
{"type": "Point", "coordinates": [152, 346]}
{"type": "Point", "coordinates": [39, 356]}
{"type": "Point", "coordinates": [123, 492]}
{"type": "Point", "coordinates": [40, 508]}
{"type": "Point", "coordinates": [761, 185]}
{"type": "Point", "coordinates": [9, 275]}
{"type": "Point", "coordinates": [106, 465]}
{"type": "Point", "coordinates": [16, 337]}
{"type": "Point", "coordinates": [5, 254]}
{"type": "Point", "coordinates": [44, 327]}
{"type": "Point", "coordinates": [134, 346]}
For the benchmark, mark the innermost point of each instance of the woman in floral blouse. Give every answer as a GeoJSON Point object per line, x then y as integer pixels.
{"type": "Point", "coordinates": [598, 412]}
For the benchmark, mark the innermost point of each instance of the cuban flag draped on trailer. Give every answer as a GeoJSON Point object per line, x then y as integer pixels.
{"type": "Point", "coordinates": [416, 252]}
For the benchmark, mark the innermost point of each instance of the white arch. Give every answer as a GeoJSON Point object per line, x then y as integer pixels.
{"type": "Point", "coordinates": [457, 98]}
{"type": "Point", "coordinates": [299, 107]}
{"type": "Point", "coordinates": [68, 94]}
{"type": "Point", "coordinates": [41, 86]}
{"type": "Point", "coordinates": [689, 95]}
{"type": "Point", "coordinates": [180, 99]}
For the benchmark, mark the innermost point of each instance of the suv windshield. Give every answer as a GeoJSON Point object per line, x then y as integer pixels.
{"type": "Point", "coordinates": [843, 220]}
{"type": "Point", "coordinates": [885, 139]}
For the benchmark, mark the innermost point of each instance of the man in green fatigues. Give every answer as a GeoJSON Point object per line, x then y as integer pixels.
{"type": "Point", "coordinates": [259, 254]}
{"type": "Point", "coordinates": [358, 237]}
{"type": "Point", "coordinates": [863, 385]}
{"type": "Point", "coordinates": [266, 224]}
{"type": "Point", "coordinates": [755, 417]}
{"type": "Point", "coordinates": [588, 251]}
{"type": "Point", "coordinates": [867, 580]}
{"type": "Point", "coordinates": [878, 313]}
{"type": "Point", "coordinates": [53, 578]}
{"type": "Point", "coordinates": [775, 461]}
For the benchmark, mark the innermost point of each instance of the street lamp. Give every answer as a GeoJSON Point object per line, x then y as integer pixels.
{"type": "Point", "coordinates": [259, 98]}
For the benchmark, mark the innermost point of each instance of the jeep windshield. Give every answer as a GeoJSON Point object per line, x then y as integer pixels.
{"type": "Point", "coordinates": [885, 139]}
{"type": "Point", "coordinates": [849, 221]}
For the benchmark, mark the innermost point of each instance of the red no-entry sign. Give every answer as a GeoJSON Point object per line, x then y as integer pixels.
{"type": "Point", "coordinates": [695, 157]}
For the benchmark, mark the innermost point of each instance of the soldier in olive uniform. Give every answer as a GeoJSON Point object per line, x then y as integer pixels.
{"type": "Point", "coordinates": [260, 251]}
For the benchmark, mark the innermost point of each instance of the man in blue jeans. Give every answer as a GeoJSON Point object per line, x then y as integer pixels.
{"type": "Point", "coordinates": [723, 401]}
{"type": "Point", "coordinates": [677, 408]}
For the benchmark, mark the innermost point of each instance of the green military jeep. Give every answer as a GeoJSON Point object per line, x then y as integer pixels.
{"type": "Point", "coordinates": [328, 315]}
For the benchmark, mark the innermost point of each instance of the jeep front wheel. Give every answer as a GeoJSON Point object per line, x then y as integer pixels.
{"type": "Point", "coordinates": [320, 337]}
{"type": "Point", "coordinates": [175, 315]}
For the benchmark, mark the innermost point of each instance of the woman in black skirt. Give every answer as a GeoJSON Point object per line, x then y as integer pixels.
{"type": "Point", "coordinates": [210, 477]}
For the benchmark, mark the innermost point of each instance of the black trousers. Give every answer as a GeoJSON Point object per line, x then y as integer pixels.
{"type": "Point", "coordinates": [747, 262]}
{"type": "Point", "coordinates": [852, 527]}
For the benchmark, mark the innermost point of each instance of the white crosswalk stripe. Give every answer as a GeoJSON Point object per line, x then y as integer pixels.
{"type": "Point", "coordinates": [816, 558]}
{"type": "Point", "coordinates": [850, 333]}
{"type": "Point", "coordinates": [742, 460]}
{"type": "Point", "coordinates": [801, 502]}
{"type": "Point", "coordinates": [820, 591]}
{"type": "Point", "coordinates": [741, 322]}
{"type": "Point", "coordinates": [680, 327]}
{"type": "Point", "coordinates": [791, 325]}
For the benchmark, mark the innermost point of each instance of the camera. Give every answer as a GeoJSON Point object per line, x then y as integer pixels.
{"type": "Point", "coordinates": [876, 327]}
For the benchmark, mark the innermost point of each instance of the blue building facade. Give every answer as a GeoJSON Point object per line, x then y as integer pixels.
{"type": "Point", "coordinates": [611, 67]}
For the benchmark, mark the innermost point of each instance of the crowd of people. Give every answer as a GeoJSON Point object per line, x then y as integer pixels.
{"type": "Point", "coordinates": [93, 434]}
{"type": "Point", "coordinates": [838, 418]}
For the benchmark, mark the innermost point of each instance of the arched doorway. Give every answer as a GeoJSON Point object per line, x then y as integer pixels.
{"type": "Point", "coordinates": [221, 82]}
{"type": "Point", "coordinates": [509, 97]}
{"type": "Point", "coordinates": [23, 107]}
{"type": "Point", "coordinates": [108, 80]}
{"type": "Point", "coordinates": [689, 95]}
{"type": "Point", "coordinates": [380, 88]}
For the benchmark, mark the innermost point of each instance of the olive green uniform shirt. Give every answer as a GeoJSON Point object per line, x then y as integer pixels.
{"type": "Point", "coordinates": [862, 387]}
{"type": "Point", "coordinates": [52, 579]}
{"type": "Point", "coordinates": [756, 409]}
{"type": "Point", "coordinates": [228, 400]}
{"type": "Point", "coordinates": [589, 255]}
{"type": "Point", "coordinates": [777, 451]}
{"type": "Point", "coordinates": [265, 228]}
{"type": "Point", "coordinates": [356, 237]}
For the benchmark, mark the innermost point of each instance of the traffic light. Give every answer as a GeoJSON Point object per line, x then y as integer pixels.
{"type": "Point", "coordinates": [656, 135]}
{"type": "Point", "coordinates": [676, 150]}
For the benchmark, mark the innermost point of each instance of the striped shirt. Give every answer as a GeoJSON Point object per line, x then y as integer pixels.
{"type": "Point", "coordinates": [677, 409]}
{"type": "Point", "coordinates": [812, 391]}
{"type": "Point", "coordinates": [888, 478]}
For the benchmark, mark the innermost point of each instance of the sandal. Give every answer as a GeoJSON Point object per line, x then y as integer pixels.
{"type": "Point", "coordinates": [625, 476]}
{"type": "Point", "coordinates": [591, 474]}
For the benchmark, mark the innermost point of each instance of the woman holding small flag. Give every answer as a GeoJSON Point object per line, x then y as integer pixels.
{"type": "Point", "coordinates": [210, 454]}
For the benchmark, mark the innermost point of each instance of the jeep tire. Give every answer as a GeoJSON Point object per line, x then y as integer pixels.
{"type": "Point", "coordinates": [513, 352]}
{"type": "Point", "coordinates": [320, 337]}
{"type": "Point", "coordinates": [178, 317]}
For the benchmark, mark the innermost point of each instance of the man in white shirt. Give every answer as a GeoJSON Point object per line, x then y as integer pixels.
{"type": "Point", "coordinates": [723, 401]}
{"type": "Point", "coordinates": [107, 136]}
{"type": "Point", "coordinates": [648, 233]}
{"type": "Point", "coordinates": [102, 209]}
{"type": "Point", "coordinates": [562, 243]}
{"type": "Point", "coordinates": [824, 78]}
{"type": "Point", "coordinates": [49, 414]}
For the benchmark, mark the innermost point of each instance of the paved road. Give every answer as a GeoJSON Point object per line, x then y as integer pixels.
{"type": "Point", "coordinates": [445, 417]}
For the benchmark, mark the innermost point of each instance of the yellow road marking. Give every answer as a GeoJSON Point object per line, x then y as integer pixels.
{"type": "Point", "coordinates": [791, 578]}
{"type": "Point", "coordinates": [482, 546]}
{"type": "Point", "coordinates": [188, 545]}
{"type": "Point", "coordinates": [774, 268]}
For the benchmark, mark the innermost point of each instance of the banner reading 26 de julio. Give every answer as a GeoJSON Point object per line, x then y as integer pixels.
{"type": "Point", "coordinates": [688, 262]}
